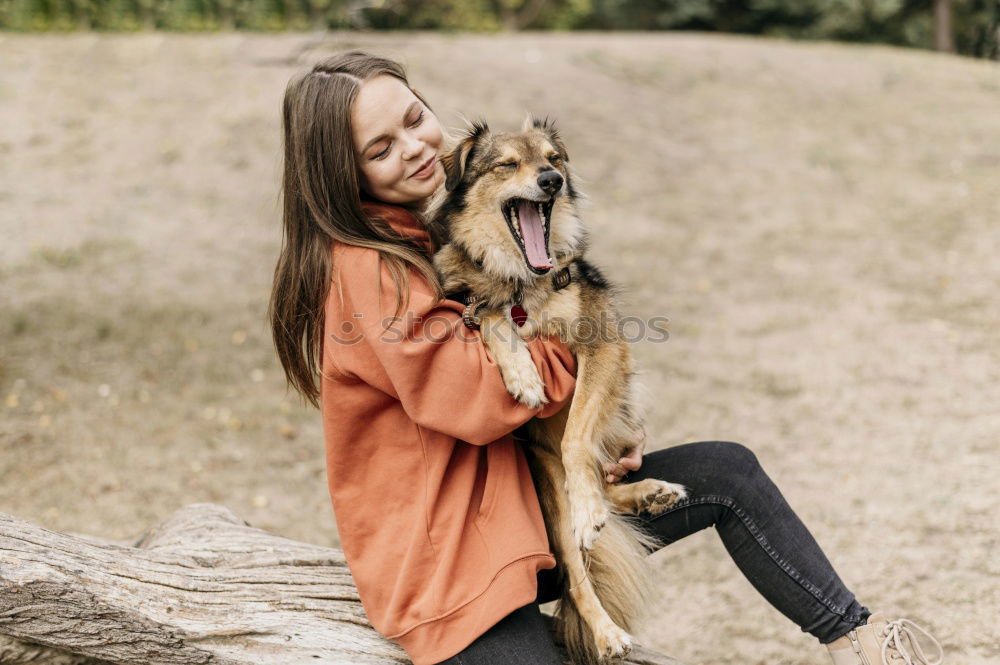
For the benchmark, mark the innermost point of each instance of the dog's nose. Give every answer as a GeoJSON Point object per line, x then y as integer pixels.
{"type": "Point", "coordinates": [550, 181]}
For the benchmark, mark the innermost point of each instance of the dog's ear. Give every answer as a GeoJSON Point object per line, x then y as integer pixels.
{"type": "Point", "coordinates": [454, 162]}
{"type": "Point", "coordinates": [548, 126]}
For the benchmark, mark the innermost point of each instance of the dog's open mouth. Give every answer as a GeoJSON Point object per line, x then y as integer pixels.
{"type": "Point", "coordinates": [529, 224]}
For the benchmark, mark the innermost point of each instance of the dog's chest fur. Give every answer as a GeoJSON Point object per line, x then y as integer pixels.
{"type": "Point", "coordinates": [552, 309]}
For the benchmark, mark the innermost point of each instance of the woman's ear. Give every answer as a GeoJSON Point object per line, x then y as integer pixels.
{"type": "Point", "coordinates": [456, 161]}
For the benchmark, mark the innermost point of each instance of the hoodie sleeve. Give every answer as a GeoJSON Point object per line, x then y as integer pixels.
{"type": "Point", "coordinates": [438, 369]}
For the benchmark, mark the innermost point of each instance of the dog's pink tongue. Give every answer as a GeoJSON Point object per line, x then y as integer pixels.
{"type": "Point", "coordinates": [534, 235]}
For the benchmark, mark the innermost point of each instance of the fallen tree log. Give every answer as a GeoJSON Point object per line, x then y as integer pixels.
{"type": "Point", "coordinates": [203, 587]}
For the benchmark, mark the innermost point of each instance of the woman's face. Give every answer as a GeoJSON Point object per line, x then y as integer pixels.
{"type": "Point", "coordinates": [395, 135]}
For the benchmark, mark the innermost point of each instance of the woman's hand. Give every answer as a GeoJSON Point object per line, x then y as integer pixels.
{"type": "Point", "coordinates": [630, 462]}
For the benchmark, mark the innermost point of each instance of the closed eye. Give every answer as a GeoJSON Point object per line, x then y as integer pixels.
{"type": "Point", "coordinates": [508, 165]}
{"type": "Point", "coordinates": [385, 152]}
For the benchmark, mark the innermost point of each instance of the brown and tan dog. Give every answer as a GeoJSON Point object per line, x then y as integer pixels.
{"type": "Point", "coordinates": [512, 247]}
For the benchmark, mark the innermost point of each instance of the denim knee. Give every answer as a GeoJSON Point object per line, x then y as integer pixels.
{"type": "Point", "coordinates": [736, 454]}
{"type": "Point", "coordinates": [728, 469]}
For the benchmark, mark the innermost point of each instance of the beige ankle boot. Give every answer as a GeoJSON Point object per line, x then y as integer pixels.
{"type": "Point", "coordinates": [881, 642]}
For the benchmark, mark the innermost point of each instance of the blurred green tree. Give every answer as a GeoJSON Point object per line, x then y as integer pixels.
{"type": "Point", "coordinates": [969, 27]}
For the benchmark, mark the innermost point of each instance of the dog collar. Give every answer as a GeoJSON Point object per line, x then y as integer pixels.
{"type": "Point", "coordinates": [469, 315]}
{"type": "Point", "coordinates": [518, 314]}
{"type": "Point", "coordinates": [562, 279]}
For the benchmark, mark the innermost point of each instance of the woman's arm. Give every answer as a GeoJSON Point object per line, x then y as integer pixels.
{"type": "Point", "coordinates": [437, 368]}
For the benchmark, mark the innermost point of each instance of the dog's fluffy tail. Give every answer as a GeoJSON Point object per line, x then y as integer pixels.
{"type": "Point", "coordinates": [620, 574]}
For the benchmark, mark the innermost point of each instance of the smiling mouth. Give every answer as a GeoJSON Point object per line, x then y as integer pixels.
{"type": "Point", "coordinates": [529, 222]}
{"type": "Point", "coordinates": [423, 166]}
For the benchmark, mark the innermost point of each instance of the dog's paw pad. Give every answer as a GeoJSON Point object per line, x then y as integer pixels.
{"type": "Point", "coordinates": [662, 495]}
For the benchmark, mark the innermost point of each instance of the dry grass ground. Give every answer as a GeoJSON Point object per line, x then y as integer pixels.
{"type": "Point", "coordinates": [818, 221]}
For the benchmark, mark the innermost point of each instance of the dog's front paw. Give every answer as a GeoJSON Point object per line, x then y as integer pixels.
{"type": "Point", "coordinates": [526, 386]}
{"type": "Point", "coordinates": [589, 515]}
{"type": "Point", "coordinates": [613, 642]}
{"type": "Point", "coordinates": [659, 495]}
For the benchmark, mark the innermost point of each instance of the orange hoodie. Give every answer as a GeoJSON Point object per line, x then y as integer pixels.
{"type": "Point", "coordinates": [438, 517]}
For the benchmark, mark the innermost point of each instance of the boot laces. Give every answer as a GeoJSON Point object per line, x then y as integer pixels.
{"type": "Point", "coordinates": [898, 639]}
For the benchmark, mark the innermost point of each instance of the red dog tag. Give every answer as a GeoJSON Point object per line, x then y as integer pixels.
{"type": "Point", "coordinates": [519, 315]}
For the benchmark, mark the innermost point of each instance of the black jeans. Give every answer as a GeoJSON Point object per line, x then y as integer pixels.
{"type": "Point", "coordinates": [727, 489]}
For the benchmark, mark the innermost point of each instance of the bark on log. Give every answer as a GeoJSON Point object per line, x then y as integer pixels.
{"type": "Point", "coordinates": [202, 587]}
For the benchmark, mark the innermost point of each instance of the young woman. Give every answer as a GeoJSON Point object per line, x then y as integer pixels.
{"type": "Point", "coordinates": [436, 510]}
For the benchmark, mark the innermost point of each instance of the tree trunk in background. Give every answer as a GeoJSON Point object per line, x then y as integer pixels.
{"type": "Point", "coordinates": [204, 587]}
{"type": "Point", "coordinates": [513, 19]}
{"type": "Point", "coordinates": [227, 19]}
{"type": "Point", "coordinates": [943, 38]}
{"type": "Point", "coordinates": [81, 14]}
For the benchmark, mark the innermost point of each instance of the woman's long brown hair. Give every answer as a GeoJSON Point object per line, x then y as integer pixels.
{"type": "Point", "coordinates": [322, 203]}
